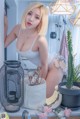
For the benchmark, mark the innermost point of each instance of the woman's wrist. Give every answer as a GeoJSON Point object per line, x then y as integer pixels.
{"type": "Point", "coordinates": [43, 71]}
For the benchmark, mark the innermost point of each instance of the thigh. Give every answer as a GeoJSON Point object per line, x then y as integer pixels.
{"type": "Point", "coordinates": [54, 76]}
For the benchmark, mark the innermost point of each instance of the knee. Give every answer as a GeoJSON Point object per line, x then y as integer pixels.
{"type": "Point", "coordinates": [58, 65]}
{"type": "Point", "coordinates": [57, 73]}
{"type": "Point", "coordinates": [57, 69]}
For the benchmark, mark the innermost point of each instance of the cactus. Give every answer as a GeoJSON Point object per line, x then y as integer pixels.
{"type": "Point", "coordinates": [69, 83]}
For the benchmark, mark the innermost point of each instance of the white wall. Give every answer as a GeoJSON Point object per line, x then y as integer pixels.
{"type": "Point", "coordinates": [1, 32]}
{"type": "Point", "coordinates": [12, 19]}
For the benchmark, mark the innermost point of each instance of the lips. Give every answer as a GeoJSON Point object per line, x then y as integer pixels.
{"type": "Point", "coordinates": [28, 23]}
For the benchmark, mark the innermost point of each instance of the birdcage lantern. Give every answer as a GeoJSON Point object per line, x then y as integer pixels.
{"type": "Point", "coordinates": [12, 85]}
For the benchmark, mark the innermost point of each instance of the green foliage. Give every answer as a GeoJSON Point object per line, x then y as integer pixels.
{"type": "Point", "coordinates": [76, 77]}
{"type": "Point", "coordinates": [73, 72]}
{"type": "Point", "coordinates": [70, 62]}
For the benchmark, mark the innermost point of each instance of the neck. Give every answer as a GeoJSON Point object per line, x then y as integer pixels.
{"type": "Point", "coordinates": [31, 31]}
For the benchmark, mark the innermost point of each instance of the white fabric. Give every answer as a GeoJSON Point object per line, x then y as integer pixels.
{"type": "Point", "coordinates": [34, 96]}
{"type": "Point", "coordinates": [29, 55]}
{"type": "Point", "coordinates": [33, 56]}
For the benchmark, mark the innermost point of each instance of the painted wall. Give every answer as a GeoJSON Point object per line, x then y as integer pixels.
{"type": "Point", "coordinates": [1, 32]}
{"type": "Point", "coordinates": [12, 20]}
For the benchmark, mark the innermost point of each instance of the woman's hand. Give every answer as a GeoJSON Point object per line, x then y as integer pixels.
{"type": "Point", "coordinates": [43, 71]}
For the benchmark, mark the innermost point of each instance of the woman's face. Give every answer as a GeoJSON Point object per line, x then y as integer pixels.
{"type": "Point", "coordinates": [33, 18]}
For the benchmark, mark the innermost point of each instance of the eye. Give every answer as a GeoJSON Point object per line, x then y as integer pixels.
{"type": "Point", "coordinates": [29, 13]}
{"type": "Point", "coordinates": [37, 17]}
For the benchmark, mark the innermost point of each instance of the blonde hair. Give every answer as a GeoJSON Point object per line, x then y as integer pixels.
{"type": "Point", "coordinates": [42, 27]}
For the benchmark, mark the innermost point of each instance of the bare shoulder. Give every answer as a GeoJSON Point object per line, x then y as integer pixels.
{"type": "Point", "coordinates": [42, 45]}
{"type": "Point", "coordinates": [42, 40]}
{"type": "Point", "coordinates": [17, 27]}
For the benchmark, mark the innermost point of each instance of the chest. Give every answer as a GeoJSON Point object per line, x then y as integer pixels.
{"type": "Point", "coordinates": [25, 43]}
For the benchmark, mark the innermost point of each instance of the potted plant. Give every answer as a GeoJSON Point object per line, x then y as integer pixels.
{"type": "Point", "coordinates": [69, 89]}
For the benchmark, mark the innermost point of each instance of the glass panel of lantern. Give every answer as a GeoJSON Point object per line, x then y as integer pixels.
{"type": "Point", "coordinates": [12, 85]}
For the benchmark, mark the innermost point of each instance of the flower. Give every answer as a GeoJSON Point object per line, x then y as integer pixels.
{"type": "Point", "coordinates": [67, 112]}
{"type": "Point", "coordinates": [43, 116]}
{"type": "Point", "coordinates": [47, 109]}
{"type": "Point", "coordinates": [62, 114]}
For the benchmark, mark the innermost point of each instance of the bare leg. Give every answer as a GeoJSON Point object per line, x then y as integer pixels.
{"type": "Point", "coordinates": [53, 78]}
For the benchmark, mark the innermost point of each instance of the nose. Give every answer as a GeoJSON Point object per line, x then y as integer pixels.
{"type": "Point", "coordinates": [32, 18]}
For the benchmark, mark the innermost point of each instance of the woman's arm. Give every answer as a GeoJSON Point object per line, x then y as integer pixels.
{"type": "Point", "coordinates": [43, 50]}
{"type": "Point", "coordinates": [11, 36]}
{"type": "Point", "coordinates": [5, 26]}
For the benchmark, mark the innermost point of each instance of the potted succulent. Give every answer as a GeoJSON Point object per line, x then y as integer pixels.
{"type": "Point", "coordinates": [69, 89]}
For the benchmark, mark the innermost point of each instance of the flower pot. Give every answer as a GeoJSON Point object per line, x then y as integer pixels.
{"type": "Point", "coordinates": [34, 96]}
{"type": "Point", "coordinates": [70, 97]}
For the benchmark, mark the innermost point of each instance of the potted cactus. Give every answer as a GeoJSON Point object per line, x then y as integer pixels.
{"type": "Point", "coordinates": [69, 89]}
{"type": "Point", "coordinates": [70, 62]}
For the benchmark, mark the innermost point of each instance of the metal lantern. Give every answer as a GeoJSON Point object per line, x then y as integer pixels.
{"type": "Point", "coordinates": [12, 85]}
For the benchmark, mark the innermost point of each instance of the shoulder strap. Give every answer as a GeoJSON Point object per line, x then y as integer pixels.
{"type": "Point", "coordinates": [34, 42]}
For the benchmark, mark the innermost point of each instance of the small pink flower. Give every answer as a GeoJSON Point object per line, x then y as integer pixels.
{"type": "Point", "coordinates": [67, 112]}
{"type": "Point", "coordinates": [47, 109]}
{"type": "Point", "coordinates": [43, 116]}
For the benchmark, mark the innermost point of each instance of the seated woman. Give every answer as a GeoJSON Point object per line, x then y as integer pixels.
{"type": "Point", "coordinates": [32, 45]}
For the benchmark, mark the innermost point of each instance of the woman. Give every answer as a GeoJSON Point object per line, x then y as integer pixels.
{"type": "Point", "coordinates": [32, 44]}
